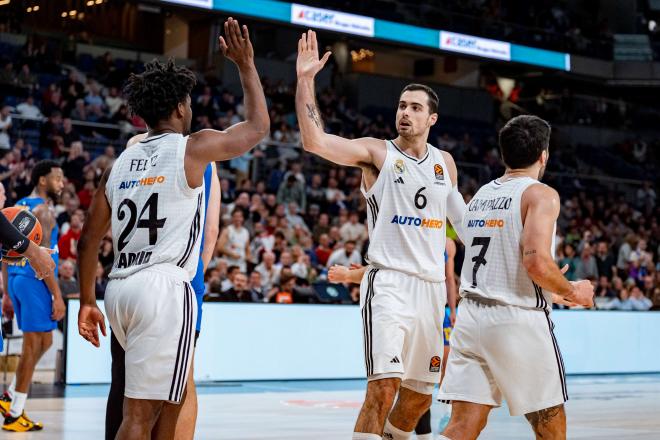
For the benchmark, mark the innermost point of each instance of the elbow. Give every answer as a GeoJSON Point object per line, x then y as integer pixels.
{"type": "Point", "coordinates": [535, 266]}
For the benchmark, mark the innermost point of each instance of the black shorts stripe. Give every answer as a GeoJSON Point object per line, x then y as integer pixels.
{"type": "Point", "coordinates": [541, 303]}
{"type": "Point", "coordinates": [181, 363]}
{"type": "Point", "coordinates": [371, 331]}
{"type": "Point", "coordinates": [183, 374]}
{"type": "Point", "coordinates": [367, 322]}
{"type": "Point", "coordinates": [560, 360]}
{"type": "Point", "coordinates": [193, 234]}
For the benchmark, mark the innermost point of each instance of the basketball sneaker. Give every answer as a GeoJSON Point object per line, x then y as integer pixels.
{"type": "Point", "coordinates": [21, 423]}
{"type": "Point", "coordinates": [5, 404]}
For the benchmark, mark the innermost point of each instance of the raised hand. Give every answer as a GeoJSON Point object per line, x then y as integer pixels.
{"type": "Point", "coordinates": [308, 63]}
{"type": "Point", "coordinates": [90, 319]}
{"type": "Point", "coordinates": [236, 44]}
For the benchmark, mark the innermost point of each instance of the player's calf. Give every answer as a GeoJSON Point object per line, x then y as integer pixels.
{"type": "Point", "coordinates": [139, 418]}
{"type": "Point", "coordinates": [377, 404]}
{"type": "Point", "coordinates": [409, 407]}
{"type": "Point", "coordinates": [549, 423]}
{"type": "Point", "coordinates": [467, 421]}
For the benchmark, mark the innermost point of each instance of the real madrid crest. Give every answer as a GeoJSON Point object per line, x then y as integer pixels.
{"type": "Point", "coordinates": [399, 166]}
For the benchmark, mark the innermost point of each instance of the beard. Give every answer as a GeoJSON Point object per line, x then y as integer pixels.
{"type": "Point", "coordinates": [55, 197]}
{"type": "Point", "coordinates": [541, 172]}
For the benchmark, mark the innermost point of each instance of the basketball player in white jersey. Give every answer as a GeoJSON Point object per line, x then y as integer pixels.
{"type": "Point", "coordinates": [503, 345]}
{"type": "Point", "coordinates": [410, 187]}
{"type": "Point", "coordinates": [153, 199]}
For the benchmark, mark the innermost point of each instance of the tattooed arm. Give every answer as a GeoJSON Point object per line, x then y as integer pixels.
{"type": "Point", "coordinates": [540, 209]}
{"type": "Point", "coordinates": [363, 152]}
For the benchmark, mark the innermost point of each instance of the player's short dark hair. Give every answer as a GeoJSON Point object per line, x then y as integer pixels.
{"type": "Point", "coordinates": [523, 139]}
{"type": "Point", "coordinates": [433, 97]}
{"type": "Point", "coordinates": [155, 93]}
{"type": "Point", "coordinates": [41, 169]}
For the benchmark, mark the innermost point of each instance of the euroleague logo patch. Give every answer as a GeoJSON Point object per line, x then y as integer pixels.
{"type": "Point", "coordinates": [436, 363]}
{"type": "Point", "coordinates": [439, 172]}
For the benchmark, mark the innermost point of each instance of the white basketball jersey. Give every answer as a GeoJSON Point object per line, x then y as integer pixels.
{"type": "Point", "coordinates": [156, 216]}
{"type": "Point", "coordinates": [493, 266]}
{"type": "Point", "coordinates": [407, 209]}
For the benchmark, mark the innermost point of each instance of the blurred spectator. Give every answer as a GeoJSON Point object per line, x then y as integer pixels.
{"type": "Point", "coordinates": [75, 163]}
{"type": "Point", "coordinates": [585, 266]}
{"type": "Point", "coordinates": [604, 260]}
{"type": "Point", "coordinates": [570, 260]}
{"type": "Point", "coordinates": [113, 101]}
{"type": "Point", "coordinates": [101, 282]}
{"type": "Point", "coordinates": [68, 242]}
{"type": "Point", "coordinates": [228, 282]}
{"type": "Point", "coordinates": [26, 78]}
{"type": "Point", "coordinates": [68, 282]}
{"type": "Point", "coordinates": [234, 241]}
{"type": "Point", "coordinates": [28, 109]}
{"type": "Point", "coordinates": [624, 251]}
{"type": "Point", "coordinates": [292, 190]}
{"type": "Point", "coordinates": [623, 302]}
{"type": "Point", "coordinates": [5, 126]}
{"type": "Point", "coordinates": [256, 287]}
{"type": "Point", "coordinates": [353, 230]}
{"type": "Point", "coordinates": [284, 293]}
{"type": "Point", "coordinates": [345, 256]}
{"type": "Point", "coordinates": [69, 134]}
{"type": "Point", "coordinates": [269, 271]}
{"type": "Point", "coordinates": [638, 300]}
{"type": "Point", "coordinates": [239, 292]}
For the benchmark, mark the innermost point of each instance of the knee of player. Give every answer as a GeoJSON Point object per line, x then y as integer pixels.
{"type": "Point", "coordinates": [46, 341]}
{"type": "Point", "coordinates": [381, 394]}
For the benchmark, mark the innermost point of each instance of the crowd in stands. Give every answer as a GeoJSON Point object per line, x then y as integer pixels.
{"type": "Point", "coordinates": [286, 216]}
{"type": "Point", "coordinates": [549, 24]}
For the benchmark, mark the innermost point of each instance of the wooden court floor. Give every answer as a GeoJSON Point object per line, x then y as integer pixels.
{"type": "Point", "coordinates": [601, 407]}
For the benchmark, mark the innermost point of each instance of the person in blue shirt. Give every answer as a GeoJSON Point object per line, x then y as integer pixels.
{"type": "Point", "coordinates": [37, 303]}
{"type": "Point", "coordinates": [184, 416]}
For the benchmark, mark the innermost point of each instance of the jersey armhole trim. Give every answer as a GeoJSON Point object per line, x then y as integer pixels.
{"type": "Point", "coordinates": [181, 148]}
{"type": "Point", "coordinates": [368, 193]}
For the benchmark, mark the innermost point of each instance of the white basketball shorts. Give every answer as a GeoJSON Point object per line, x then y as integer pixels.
{"type": "Point", "coordinates": [153, 313]}
{"type": "Point", "coordinates": [499, 351]}
{"type": "Point", "coordinates": [402, 322]}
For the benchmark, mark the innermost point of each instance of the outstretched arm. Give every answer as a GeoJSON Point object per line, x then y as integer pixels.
{"type": "Point", "coordinates": [213, 145]}
{"type": "Point", "coordinates": [361, 152]}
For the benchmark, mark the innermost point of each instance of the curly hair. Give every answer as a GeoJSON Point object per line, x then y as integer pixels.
{"type": "Point", "coordinates": [41, 169]}
{"type": "Point", "coordinates": [155, 93]}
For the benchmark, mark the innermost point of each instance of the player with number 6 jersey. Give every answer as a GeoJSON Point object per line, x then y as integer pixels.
{"type": "Point", "coordinates": [410, 189]}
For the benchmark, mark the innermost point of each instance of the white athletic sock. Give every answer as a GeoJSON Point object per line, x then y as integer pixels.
{"type": "Point", "coordinates": [442, 437]}
{"type": "Point", "coordinates": [12, 388]}
{"type": "Point", "coordinates": [365, 436]}
{"type": "Point", "coordinates": [391, 432]}
{"type": "Point", "coordinates": [17, 404]}
{"type": "Point", "coordinates": [424, 436]}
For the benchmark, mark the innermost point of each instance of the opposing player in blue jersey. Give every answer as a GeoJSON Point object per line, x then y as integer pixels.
{"type": "Point", "coordinates": [184, 416]}
{"type": "Point", "coordinates": [37, 303]}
